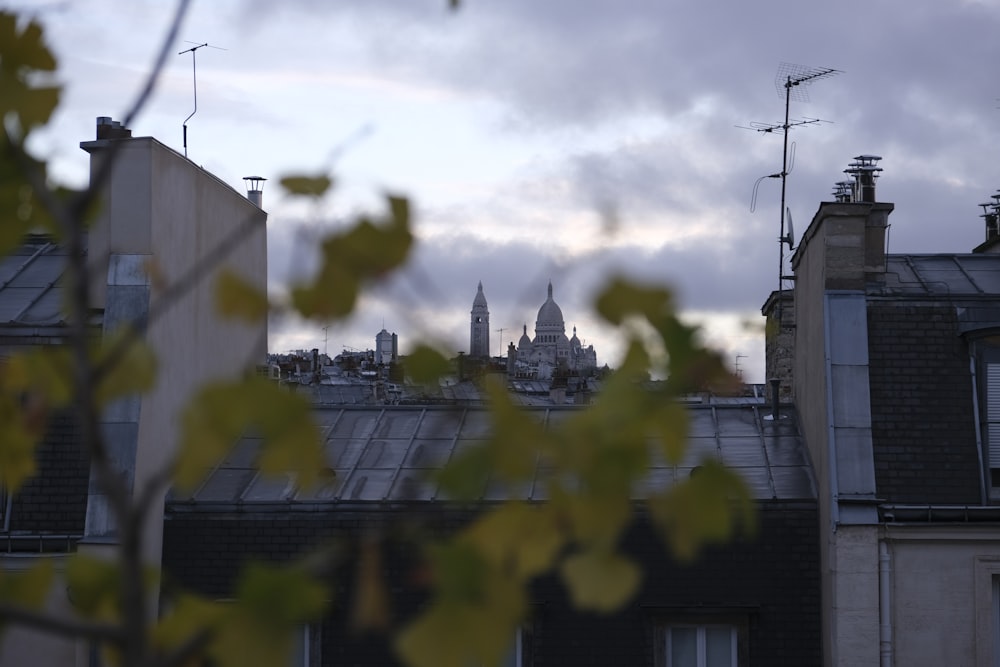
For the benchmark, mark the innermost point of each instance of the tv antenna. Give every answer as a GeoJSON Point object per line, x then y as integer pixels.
{"type": "Point", "coordinates": [194, 74]}
{"type": "Point", "coordinates": [792, 82]}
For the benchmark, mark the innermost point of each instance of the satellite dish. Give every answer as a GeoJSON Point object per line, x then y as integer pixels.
{"type": "Point", "coordinates": [789, 238]}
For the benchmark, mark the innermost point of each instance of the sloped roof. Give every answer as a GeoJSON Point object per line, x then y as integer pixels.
{"type": "Point", "coordinates": [30, 289]}
{"type": "Point", "coordinates": [966, 275]}
{"type": "Point", "coordinates": [385, 455]}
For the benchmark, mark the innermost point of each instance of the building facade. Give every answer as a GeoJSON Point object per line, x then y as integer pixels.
{"type": "Point", "coordinates": [163, 220]}
{"type": "Point", "coordinates": [893, 374]}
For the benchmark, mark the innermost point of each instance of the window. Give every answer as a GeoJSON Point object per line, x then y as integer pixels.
{"type": "Point", "coordinates": [987, 352]}
{"type": "Point", "coordinates": [701, 646]}
{"type": "Point", "coordinates": [701, 638]}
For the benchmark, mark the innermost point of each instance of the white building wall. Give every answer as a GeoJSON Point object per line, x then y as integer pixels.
{"type": "Point", "coordinates": [942, 595]}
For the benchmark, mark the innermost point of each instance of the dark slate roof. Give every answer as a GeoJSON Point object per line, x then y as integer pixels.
{"type": "Point", "coordinates": [967, 275]}
{"type": "Point", "coordinates": [384, 455]}
{"type": "Point", "coordinates": [30, 289]}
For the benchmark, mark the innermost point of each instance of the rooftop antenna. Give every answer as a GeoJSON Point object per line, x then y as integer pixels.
{"type": "Point", "coordinates": [791, 82]}
{"type": "Point", "coordinates": [194, 73]}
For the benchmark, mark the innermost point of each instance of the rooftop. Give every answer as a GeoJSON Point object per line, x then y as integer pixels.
{"type": "Point", "coordinates": [387, 456]}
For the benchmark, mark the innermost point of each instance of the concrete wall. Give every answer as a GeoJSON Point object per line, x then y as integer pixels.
{"type": "Point", "coordinates": [942, 596]}
{"type": "Point", "coordinates": [162, 217]}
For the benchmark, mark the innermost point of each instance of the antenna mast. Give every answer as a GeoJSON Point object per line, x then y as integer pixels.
{"type": "Point", "coordinates": [793, 79]}
{"type": "Point", "coordinates": [194, 75]}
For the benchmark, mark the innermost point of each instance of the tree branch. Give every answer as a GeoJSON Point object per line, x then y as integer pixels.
{"type": "Point", "coordinates": [49, 622]}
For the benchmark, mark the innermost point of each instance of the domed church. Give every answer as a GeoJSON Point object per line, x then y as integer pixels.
{"type": "Point", "coordinates": [550, 346]}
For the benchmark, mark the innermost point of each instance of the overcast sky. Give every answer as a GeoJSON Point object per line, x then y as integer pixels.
{"type": "Point", "coordinates": [555, 139]}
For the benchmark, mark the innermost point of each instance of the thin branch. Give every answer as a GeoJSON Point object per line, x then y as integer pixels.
{"type": "Point", "coordinates": [81, 203]}
{"type": "Point", "coordinates": [48, 622]}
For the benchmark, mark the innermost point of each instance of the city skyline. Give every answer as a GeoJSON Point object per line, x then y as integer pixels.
{"type": "Point", "coordinates": [560, 142]}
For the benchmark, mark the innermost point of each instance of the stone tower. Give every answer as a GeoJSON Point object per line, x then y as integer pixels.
{"type": "Point", "coordinates": [479, 336]}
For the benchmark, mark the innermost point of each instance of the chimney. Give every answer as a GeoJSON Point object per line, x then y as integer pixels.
{"type": "Point", "coordinates": [864, 171]}
{"type": "Point", "coordinates": [846, 239]}
{"type": "Point", "coordinates": [779, 342]}
{"type": "Point", "coordinates": [991, 215]}
{"type": "Point", "coordinates": [111, 129]}
{"type": "Point", "coordinates": [255, 189]}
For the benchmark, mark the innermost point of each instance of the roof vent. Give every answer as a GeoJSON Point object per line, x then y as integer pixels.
{"type": "Point", "coordinates": [864, 171]}
{"type": "Point", "coordinates": [842, 192]}
{"type": "Point", "coordinates": [991, 213]}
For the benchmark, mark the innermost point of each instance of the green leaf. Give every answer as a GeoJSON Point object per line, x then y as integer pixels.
{"type": "Point", "coordinates": [23, 55]}
{"type": "Point", "coordinates": [365, 252]}
{"type": "Point", "coordinates": [473, 616]}
{"type": "Point", "coordinates": [235, 297]}
{"type": "Point", "coordinates": [27, 588]}
{"type": "Point", "coordinates": [271, 604]}
{"type": "Point", "coordinates": [220, 413]}
{"type": "Point", "coordinates": [599, 580]}
{"type": "Point", "coordinates": [94, 586]}
{"type": "Point", "coordinates": [425, 365]}
{"type": "Point", "coordinates": [705, 508]}
{"type": "Point", "coordinates": [307, 186]}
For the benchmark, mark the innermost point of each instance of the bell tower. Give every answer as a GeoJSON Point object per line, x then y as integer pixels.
{"type": "Point", "coordinates": [479, 337]}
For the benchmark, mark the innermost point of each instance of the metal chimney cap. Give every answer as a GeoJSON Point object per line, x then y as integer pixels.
{"type": "Point", "coordinates": [254, 183]}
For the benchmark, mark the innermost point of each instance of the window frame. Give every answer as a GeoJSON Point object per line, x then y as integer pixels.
{"type": "Point", "coordinates": [737, 622]}
{"type": "Point", "coordinates": [985, 350]}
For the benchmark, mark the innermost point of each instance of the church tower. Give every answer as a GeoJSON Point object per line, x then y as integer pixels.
{"type": "Point", "coordinates": [479, 337]}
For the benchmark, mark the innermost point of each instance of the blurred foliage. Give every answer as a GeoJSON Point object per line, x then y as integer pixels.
{"type": "Point", "coordinates": [592, 466]}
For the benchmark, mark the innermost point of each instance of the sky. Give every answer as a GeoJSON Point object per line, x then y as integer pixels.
{"type": "Point", "coordinates": [559, 140]}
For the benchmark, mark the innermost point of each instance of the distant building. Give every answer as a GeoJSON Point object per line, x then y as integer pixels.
{"type": "Point", "coordinates": [386, 347]}
{"type": "Point", "coordinates": [550, 346]}
{"type": "Point", "coordinates": [479, 336]}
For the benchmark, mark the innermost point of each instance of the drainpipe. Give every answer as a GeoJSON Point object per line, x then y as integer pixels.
{"type": "Point", "coordinates": [775, 388]}
{"type": "Point", "coordinates": [884, 604]}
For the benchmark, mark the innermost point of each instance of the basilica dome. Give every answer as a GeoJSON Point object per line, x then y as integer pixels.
{"type": "Point", "coordinates": [550, 315]}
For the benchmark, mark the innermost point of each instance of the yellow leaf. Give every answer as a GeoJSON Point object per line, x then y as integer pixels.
{"type": "Point", "coordinates": [705, 508]}
{"type": "Point", "coordinates": [596, 520]}
{"type": "Point", "coordinates": [518, 538]}
{"type": "Point", "coordinates": [21, 426]}
{"type": "Point", "coordinates": [599, 580]}
{"type": "Point", "coordinates": [186, 617]}
{"type": "Point", "coordinates": [46, 371]}
{"type": "Point", "coordinates": [457, 634]}
{"type": "Point", "coordinates": [237, 298]}
{"type": "Point", "coordinates": [310, 186]}
{"type": "Point", "coordinates": [27, 588]}
{"type": "Point", "coordinates": [94, 586]}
